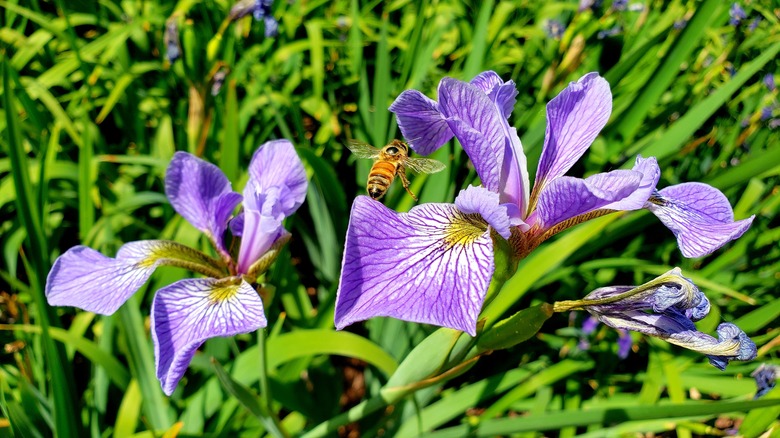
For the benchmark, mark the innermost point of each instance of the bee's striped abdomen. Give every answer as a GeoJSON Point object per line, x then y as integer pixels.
{"type": "Point", "coordinates": [380, 177]}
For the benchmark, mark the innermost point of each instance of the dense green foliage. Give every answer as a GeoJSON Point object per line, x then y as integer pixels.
{"type": "Point", "coordinates": [92, 113]}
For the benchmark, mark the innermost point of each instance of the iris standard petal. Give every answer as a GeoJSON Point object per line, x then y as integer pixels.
{"type": "Point", "coordinates": [567, 197]}
{"type": "Point", "coordinates": [515, 184]}
{"type": "Point", "coordinates": [188, 312]}
{"type": "Point", "coordinates": [276, 165]}
{"type": "Point", "coordinates": [503, 94]}
{"type": "Point", "coordinates": [262, 223]}
{"type": "Point", "coordinates": [421, 122]}
{"type": "Point", "coordinates": [574, 119]}
{"type": "Point", "coordinates": [431, 265]}
{"type": "Point", "coordinates": [201, 193]}
{"type": "Point", "coordinates": [699, 215]}
{"type": "Point", "coordinates": [478, 125]}
{"type": "Point", "coordinates": [481, 201]}
{"type": "Point", "coordinates": [85, 278]}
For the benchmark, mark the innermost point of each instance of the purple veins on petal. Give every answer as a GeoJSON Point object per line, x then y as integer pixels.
{"type": "Point", "coordinates": [276, 164]}
{"type": "Point", "coordinates": [421, 122]}
{"type": "Point", "coordinates": [700, 217]}
{"type": "Point", "coordinates": [201, 193]}
{"type": "Point", "coordinates": [188, 312]}
{"type": "Point", "coordinates": [431, 265]}
{"type": "Point", "coordinates": [85, 278]}
{"type": "Point", "coordinates": [503, 94]}
{"type": "Point", "coordinates": [574, 119]}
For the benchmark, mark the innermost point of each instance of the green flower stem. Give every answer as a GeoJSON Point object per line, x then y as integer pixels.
{"type": "Point", "coordinates": [265, 391]}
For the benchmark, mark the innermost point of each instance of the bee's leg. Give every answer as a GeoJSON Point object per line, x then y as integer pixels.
{"type": "Point", "coordinates": [405, 182]}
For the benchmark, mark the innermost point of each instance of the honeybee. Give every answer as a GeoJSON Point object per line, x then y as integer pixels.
{"type": "Point", "coordinates": [389, 161]}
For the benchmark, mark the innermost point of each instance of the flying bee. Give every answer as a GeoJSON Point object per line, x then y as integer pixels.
{"type": "Point", "coordinates": [389, 161]}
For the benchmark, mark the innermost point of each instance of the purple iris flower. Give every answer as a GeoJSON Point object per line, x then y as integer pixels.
{"type": "Point", "coordinates": [434, 263]}
{"type": "Point", "coordinates": [736, 14]}
{"type": "Point", "coordinates": [666, 308]}
{"type": "Point", "coordinates": [624, 338]}
{"type": "Point", "coordinates": [187, 313]}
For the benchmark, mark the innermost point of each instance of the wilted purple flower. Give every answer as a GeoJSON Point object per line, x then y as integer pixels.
{"type": "Point", "coordinates": [187, 313]}
{"type": "Point", "coordinates": [766, 376]}
{"type": "Point", "coordinates": [171, 38]}
{"type": "Point", "coordinates": [769, 82]}
{"type": "Point", "coordinates": [260, 9]}
{"type": "Point", "coordinates": [736, 14]}
{"type": "Point", "coordinates": [609, 32]}
{"type": "Point", "coordinates": [554, 29]}
{"type": "Point", "coordinates": [666, 308]}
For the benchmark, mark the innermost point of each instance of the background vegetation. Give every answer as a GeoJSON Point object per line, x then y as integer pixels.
{"type": "Point", "coordinates": [92, 113]}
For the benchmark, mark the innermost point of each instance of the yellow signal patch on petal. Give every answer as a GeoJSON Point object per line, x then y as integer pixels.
{"type": "Point", "coordinates": [464, 229]}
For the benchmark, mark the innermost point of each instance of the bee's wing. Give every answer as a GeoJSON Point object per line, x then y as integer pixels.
{"type": "Point", "coordinates": [424, 165]}
{"type": "Point", "coordinates": [362, 149]}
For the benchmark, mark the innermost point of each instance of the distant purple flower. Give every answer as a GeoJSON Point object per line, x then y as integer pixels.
{"type": "Point", "coordinates": [171, 37]}
{"type": "Point", "coordinates": [260, 9]}
{"type": "Point", "coordinates": [754, 24]}
{"type": "Point", "coordinates": [218, 81]}
{"type": "Point", "coordinates": [624, 338]}
{"type": "Point", "coordinates": [766, 112]}
{"type": "Point", "coordinates": [680, 24]}
{"type": "Point", "coordinates": [625, 343]}
{"type": "Point", "coordinates": [609, 32]}
{"type": "Point", "coordinates": [736, 14]}
{"type": "Point", "coordinates": [666, 308]}
{"type": "Point", "coordinates": [589, 325]}
{"type": "Point", "coordinates": [766, 377]}
{"type": "Point", "coordinates": [589, 4]}
{"type": "Point", "coordinates": [774, 123]}
{"type": "Point", "coordinates": [769, 82]}
{"type": "Point", "coordinates": [620, 5]}
{"type": "Point", "coordinates": [554, 29]}
{"type": "Point", "coordinates": [434, 263]}
{"type": "Point", "coordinates": [188, 312]}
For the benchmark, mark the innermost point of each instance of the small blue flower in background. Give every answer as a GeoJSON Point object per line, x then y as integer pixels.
{"type": "Point", "coordinates": [188, 312]}
{"type": "Point", "coordinates": [171, 38]}
{"type": "Point", "coordinates": [680, 24]}
{"type": "Point", "coordinates": [554, 29]}
{"type": "Point", "coordinates": [736, 14]}
{"type": "Point", "coordinates": [624, 343]}
{"type": "Point", "coordinates": [620, 5]}
{"type": "Point", "coordinates": [769, 82]}
{"type": "Point", "coordinates": [766, 112]}
{"type": "Point", "coordinates": [754, 24]}
{"type": "Point", "coordinates": [609, 32]}
{"type": "Point", "coordinates": [766, 377]}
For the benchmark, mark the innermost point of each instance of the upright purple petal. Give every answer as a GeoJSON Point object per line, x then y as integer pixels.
{"type": "Point", "coordinates": [515, 184]}
{"type": "Point", "coordinates": [85, 278]}
{"type": "Point", "coordinates": [421, 122]}
{"type": "Point", "coordinates": [503, 94]}
{"type": "Point", "coordinates": [574, 119]}
{"type": "Point", "coordinates": [188, 312]}
{"type": "Point", "coordinates": [201, 193]}
{"type": "Point", "coordinates": [477, 123]}
{"type": "Point", "coordinates": [262, 224]}
{"type": "Point", "coordinates": [699, 215]}
{"type": "Point", "coordinates": [567, 197]}
{"type": "Point", "coordinates": [481, 201]}
{"type": "Point", "coordinates": [275, 164]}
{"type": "Point", "coordinates": [431, 265]}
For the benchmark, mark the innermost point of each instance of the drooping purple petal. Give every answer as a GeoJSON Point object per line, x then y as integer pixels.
{"type": "Point", "coordinates": [699, 215]}
{"type": "Point", "coordinates": [421, 122]}
{"type": "Point", "coordinates": [567, 197]}
{"type": "Point", "coordinates": [481, 201]}
{"type": "Point", "coordinates": [201, 193]}
{"type": "Point", "coordinates": [574, 119]}
{"type": "Point", "coordinates": [188, 312]}
{"type": "Point", "coordinates": [478, 125]}
{"type": "Point", "coordinates": [503, 94]}
{"type": "Point", "coordinates": [431, 265]}
{"type": "Point", "coordinates": [275, 164]}
{"type": "Point", "coordinates": [85, 278]}
{"type": "Point", "coordinates": [766, 376]}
